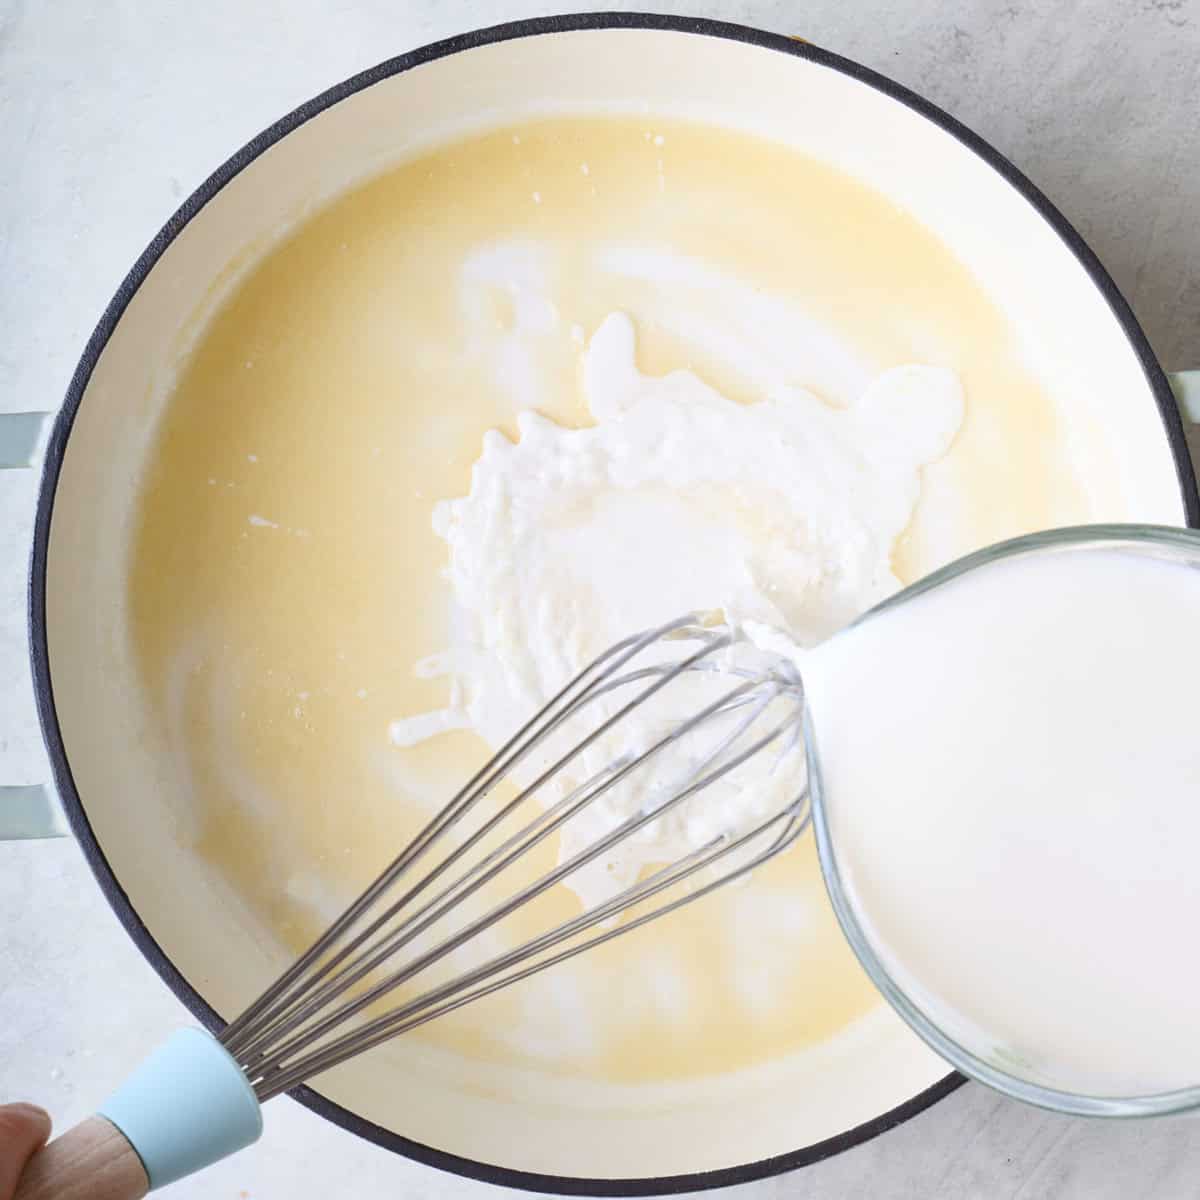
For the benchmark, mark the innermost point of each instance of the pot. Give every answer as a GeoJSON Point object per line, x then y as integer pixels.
{"type": "Point", "coordinates": [1073, 330]}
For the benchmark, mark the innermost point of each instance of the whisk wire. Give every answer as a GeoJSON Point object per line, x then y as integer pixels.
{"type": "Point", "coordinates": [418, 923]}
{"type": "Point", "coordinates": [295, 1028]}
{"type": "Point", "coordinates": [282, 1022]}
{"type": "Point", "coordinates": [272, 1001]}
{"type": "Point", "coordinates": [472, 791]}
{"type": "Point", "coordinates": [418, 1012]}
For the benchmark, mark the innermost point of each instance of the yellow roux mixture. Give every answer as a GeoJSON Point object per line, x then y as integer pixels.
{"type": "Point", "coordinates": [286, 577]}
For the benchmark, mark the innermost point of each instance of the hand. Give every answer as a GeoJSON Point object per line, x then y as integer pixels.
{"type": "Point", "coordinates": [23, 1130]}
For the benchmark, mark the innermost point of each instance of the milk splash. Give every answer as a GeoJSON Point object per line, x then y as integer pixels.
{"type": "Point", "coordinates": [783, 512]}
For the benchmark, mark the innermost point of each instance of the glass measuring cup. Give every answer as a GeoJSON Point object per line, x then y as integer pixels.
{"type": "Point", "coordinates": [951, 1033]}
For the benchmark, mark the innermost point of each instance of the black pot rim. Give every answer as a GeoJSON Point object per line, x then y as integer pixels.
{"type": "Point", "coordinates": [56, 448]}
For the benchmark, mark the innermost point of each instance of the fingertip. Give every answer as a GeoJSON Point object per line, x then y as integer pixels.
{"type": "Point", "coordinates": [32, 1117]}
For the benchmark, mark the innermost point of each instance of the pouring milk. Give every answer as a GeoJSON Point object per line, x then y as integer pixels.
{"type": "Point", "coordinates": [1009, 768]}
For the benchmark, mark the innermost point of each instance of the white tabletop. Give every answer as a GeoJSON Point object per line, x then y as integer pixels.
{"type": "Point", "coordinates": [111, 111]}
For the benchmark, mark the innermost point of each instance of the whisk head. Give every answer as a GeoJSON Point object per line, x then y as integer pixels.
{"type": "Point", "coordinates": [669, 767]}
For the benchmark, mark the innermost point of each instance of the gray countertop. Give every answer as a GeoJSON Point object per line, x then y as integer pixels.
{"type": "Point", "coordinates": [111, 111]}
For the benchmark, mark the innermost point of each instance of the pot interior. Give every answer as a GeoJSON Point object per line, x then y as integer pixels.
{"type": "Point", "coordinates": [1111, 461]}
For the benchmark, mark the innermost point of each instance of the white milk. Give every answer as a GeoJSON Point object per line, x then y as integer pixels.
{"type": "Point", "coordinates": [783, 511]}
{"type": "Point", "coordinates": [1011, 768]}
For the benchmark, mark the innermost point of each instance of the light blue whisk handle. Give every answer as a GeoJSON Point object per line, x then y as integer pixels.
{"type": "Point", "coordinates": [187, 1106]}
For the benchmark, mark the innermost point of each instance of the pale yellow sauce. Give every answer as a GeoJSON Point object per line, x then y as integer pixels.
{"type": "Point", "coordinates": [331, 398]}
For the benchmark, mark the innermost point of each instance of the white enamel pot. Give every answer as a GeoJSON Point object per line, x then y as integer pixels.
{"type": "Point", "coordinates": [1073, 330]}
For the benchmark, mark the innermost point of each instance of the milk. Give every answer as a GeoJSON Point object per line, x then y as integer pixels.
{"type": "Point", "coordinates": [785, 511]}
{"type": "Point", "coordinates": [1010, 766]}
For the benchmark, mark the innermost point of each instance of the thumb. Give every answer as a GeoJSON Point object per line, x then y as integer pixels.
{"type": "Point", "coordinates": [24, 1129]}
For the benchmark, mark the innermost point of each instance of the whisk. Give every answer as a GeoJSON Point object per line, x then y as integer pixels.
{"type": "Point", "coordinates": [389, 963]}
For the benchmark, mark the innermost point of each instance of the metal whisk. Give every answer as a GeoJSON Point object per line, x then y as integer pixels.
{"type": "Point", "coordinates": [291, 1031]}
{"type": "Point", "coordinates": [333, 1002]}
